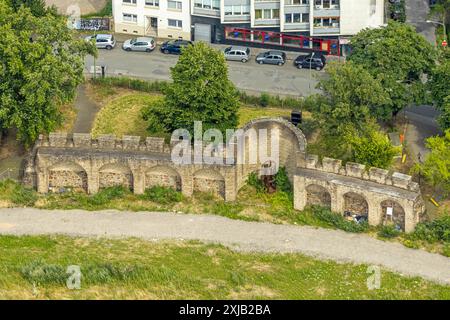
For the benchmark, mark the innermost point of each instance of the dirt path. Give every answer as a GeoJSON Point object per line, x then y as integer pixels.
{"type": "Point", "coordinates": [86, 111]}
{"type": "Point", "coordinates": [240, 235]}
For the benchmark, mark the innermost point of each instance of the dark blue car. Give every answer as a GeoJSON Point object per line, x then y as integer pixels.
{"type": "Point", "coordinates": [174, 46]}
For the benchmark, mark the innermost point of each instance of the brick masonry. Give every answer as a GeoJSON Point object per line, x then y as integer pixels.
{"type": "Point", "coordinates": [81, 162]}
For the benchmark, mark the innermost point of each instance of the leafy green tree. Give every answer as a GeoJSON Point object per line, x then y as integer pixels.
{"type": "Point", "coordinates": [351, 96]}
{"type": "Point", "coordinates": [397, 56]}
{"type": "Point", "coordinates": [37, 7]}
{"type": "Point", "coordinates": [42, 64]}
{"type": "Point", "coordinates": [200, 91]}
{"type": "Point", "coordinates": [436, 167]}
{"type": "Point", "coordinates": [372, 148]}
{"type": "Point", "coordinates": [444, 118]}
{"type": "Point", "coordinates": [440, 84]}
{"type": "Point", "coordinates": [442, 10]}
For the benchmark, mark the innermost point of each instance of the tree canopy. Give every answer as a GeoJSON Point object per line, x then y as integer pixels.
{"type": "Point", "coordinates": [436, 167]}
{"type": "Point", "coordinates": [351, 96]}
{"type": "Point", "coordinates": [200, 91]}
{"type": "Point", "coordinates": [42, 65]}
{"type": "Point", "coordinates": [398, 56]}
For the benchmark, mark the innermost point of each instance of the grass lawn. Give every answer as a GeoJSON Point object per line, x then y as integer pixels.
{"type": "Point", "coordinates": [123, 115]}
{"type": "Point", "coordinates": [35, 268]}
{"type": "Point", "coordinates": [248, 113]}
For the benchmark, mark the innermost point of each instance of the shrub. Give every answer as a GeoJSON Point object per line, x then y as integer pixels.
{"type": "Point", "coordinates": [162, 195]}
{"type": "Point", "coordinates": [130, 83]}
{"type": "Point", "coordinates": [17, 194]}
{"type": "Point", "coordinates": [107, 194]}
{"type": "Point", "coordinates": [433, 231]}
{"type": "Point", "coordinates": [388, 232]}
{"type": "Point", "coordinates": [338, 221]}
{"type": "Point", "coordinates": [254, 181]}
{"type": "Point", "coordinates": [264, 100]}
{"type": "Point", "coordinates": [282, 181]}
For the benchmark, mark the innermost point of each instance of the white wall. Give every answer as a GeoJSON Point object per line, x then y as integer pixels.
{"type": "Point", "coordinates": [162, 13]}
{"type": "Point", "coordinates": [358, 14]}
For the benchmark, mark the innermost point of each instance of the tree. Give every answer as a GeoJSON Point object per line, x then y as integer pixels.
{"type": "Point", "coordinates": [38, 7]}
{"type": "Point", "coordinates": [398, 56]}
{"type": "Point", "coordinates": [440, 84]}
{"type": "Point", "coordinates": [436, 167]}
{"type": "Point", "coordinates": [42, 64]}
{"type": "Point", "coordinates": [372, 148]}
{"type": "Point", "coordinates": [442, 9]}
{"type": "Point", "coordinates": [351, 96]}
{"type": "Point", "coordinates": [200, 91]}
{"type": "Point", "coordinates": [444, 118]}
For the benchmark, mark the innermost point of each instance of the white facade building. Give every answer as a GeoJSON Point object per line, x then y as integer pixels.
{"type": "Point", "coordinates": [159, 18]}
{"type": "Point", "coordinates": [210, 20]}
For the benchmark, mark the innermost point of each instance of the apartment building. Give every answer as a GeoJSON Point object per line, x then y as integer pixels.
{"type": "Point", "coordinates": [302, 24]}
{"type": "Point", "coordinates": [159, 18]}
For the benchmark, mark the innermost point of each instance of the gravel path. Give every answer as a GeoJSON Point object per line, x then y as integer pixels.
{"type": "Point", "coordinates": [239, 235]}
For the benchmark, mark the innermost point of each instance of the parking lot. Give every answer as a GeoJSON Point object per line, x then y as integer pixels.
{"type": "Point", "coordinates": [250, 77]}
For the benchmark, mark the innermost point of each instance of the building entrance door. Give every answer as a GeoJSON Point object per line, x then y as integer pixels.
{"type": "Point", "coordinates": [151, 26]}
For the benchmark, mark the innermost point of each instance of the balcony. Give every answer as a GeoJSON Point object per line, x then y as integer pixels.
{"type": "Point", "coordinates": [320, 30]}
{"type": "Point", "coordinates": [326, 12]}
{"type": "Point", "coordinates": [296, 26]}
{"type": "Point", "coordinates": [267, 22]}
{"type": "Point", "coordinates": [236, 19]}
{"type": "Point", "coordinates": [206, 12]}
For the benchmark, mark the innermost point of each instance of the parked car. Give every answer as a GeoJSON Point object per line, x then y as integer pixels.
{"type": "Point", "coordinates": [271, 57]}
{"type": "Point", "coordinates": [146, 44]}
{"type": "Point", "coordinates": [174, 46]}
{"type": "Point", "coordinates": [313, 60]}
{"type": "Point", "coordinates": [237, 54]}
{"type": "Point", "coordinates": [103, 41]}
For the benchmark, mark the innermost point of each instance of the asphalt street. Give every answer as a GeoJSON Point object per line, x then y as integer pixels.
{"type": "Point", "coordinates": [417, 14]}
{"type": "Point", "coordinates": [251, 77]}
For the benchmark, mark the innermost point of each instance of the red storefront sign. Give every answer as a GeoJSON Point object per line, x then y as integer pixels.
{"type": "Point", "coordinates": [330, 46]}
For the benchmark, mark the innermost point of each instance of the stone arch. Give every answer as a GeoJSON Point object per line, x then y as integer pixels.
{"type": "Point", "coordinates": [318, 195]}
{"type": "Point", "coordinates": [67, 175]}
{"type": "Point", "coordinates": [398, 214]}
{"type": "Point", "coordinates": [162, 176]}
{"type": "Point", "coordinates": [356, 203]}
{"type": "Point", "coordinates": [115, 174]}
{"type": "Point", "coordinates": [209, 180]}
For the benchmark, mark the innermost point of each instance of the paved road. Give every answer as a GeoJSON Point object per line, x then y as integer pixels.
{"type": "Point", "coordinates": [422, 125]}
{"type": "Point", "coordinates": [240, 235]}
{"type": "Point", "coordinates": [417, 15]}
{"type": "Point", "coordinates": [251, 77]}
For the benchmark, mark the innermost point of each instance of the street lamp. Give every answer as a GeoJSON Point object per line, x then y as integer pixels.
{"type": "Point", "coordinates": [442, 24]}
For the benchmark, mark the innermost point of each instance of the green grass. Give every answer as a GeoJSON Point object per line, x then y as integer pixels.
{"type": "Point", "coordinates": [106, 11]}
{"type": "Point", "coordinates": [123, 115]}
{"type": "Point", "coordinates": [35, 268]}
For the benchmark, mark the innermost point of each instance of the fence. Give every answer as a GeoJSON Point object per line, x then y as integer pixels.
{"type": "Point", "coordinates": [329, 46]}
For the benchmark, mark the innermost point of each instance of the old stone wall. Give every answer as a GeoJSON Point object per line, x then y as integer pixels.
{"type": "Point", "coordinates": [78, 161]}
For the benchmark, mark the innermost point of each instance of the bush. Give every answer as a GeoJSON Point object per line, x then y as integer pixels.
{"type": "Point", "coordinates": [130, 83]}
{"type": "Point", "coordinates": [162, 195]}
{"type": "Point", "coordinates": [17, 194]}
{"type": "Point", "coordinates": [338, 221]}
{"type": "Point", "coordinates": [282, 181]}
{"type": "Point", "coordinates": [254, 181]}
{"type": "Point", "coordinates": [433, 231]}
{"type": "Point", "coordinates": [264, 100]}
{"type": "Point", "coordinates": [388, 232]}
{"type": "Point", "coordinates": [108, 194]}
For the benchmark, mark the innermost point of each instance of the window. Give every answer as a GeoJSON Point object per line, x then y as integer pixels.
{"type": "Point", "coordinates": [129, 17]}
{"type": "Point", "coordinates": [297, 2]}
{"type": "Point", "coordinates": [177, 5]}
{"type": "Point", "coordinates": [327, 22]}
{"type": "Point", "coordinates": [238, 10]}
{"type": "Point", "coordinates": [175, 23]}
{"type": "Point", "coordinates": [129, 1]}
{"type": "Point", "coordinates": [267, 14]}
{"type": "Point", "coordinates": [327, 3]}
{"type": "Point", "coordinates": [296, 17]}
{"type": "Point", "coordinates": [152, 3]}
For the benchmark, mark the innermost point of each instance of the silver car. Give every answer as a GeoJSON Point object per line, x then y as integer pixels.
{"type": "Point", "coordinates": [103, 41]}
{"type": "Point", "coordinates": [145, 44]}
{"type": "Point", "coordinates": [237, 54]}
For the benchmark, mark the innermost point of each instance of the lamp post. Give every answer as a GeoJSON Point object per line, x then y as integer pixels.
{"type": "Point", "coordinates": [442, 24]}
